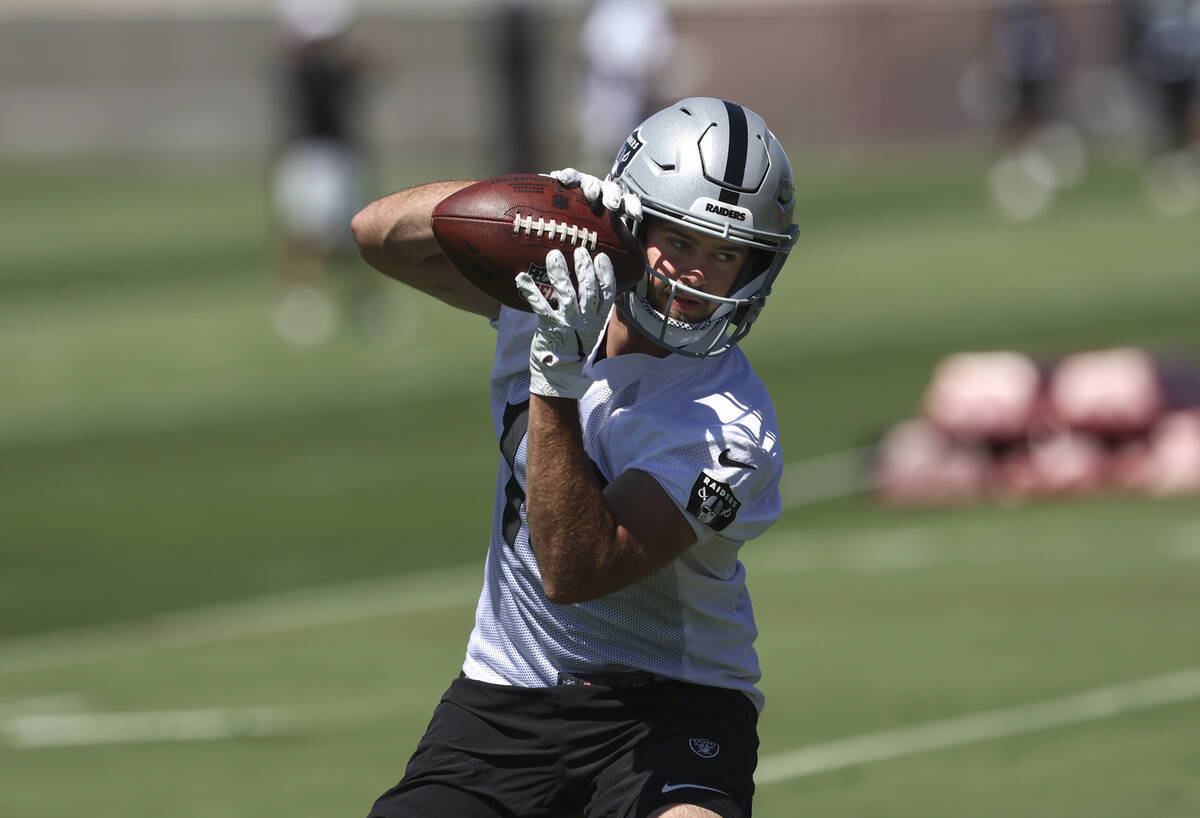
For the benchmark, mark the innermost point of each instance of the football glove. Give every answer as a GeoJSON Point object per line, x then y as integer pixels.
{"type": "Point", "coordinates": [568, 329]}
{"type": "Point", "coordinates": [610, 194]}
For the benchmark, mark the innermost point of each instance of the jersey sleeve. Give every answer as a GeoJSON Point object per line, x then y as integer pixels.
{"type": "Point", "coordinates": [724, 478]}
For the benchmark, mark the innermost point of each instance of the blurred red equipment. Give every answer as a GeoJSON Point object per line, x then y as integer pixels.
{"type": "Point", "coordinates": [983, 395]}
{"type": "Point", "coordinates": [997, 426]}
{"type": "Point", "coordinates": [1112, 391]}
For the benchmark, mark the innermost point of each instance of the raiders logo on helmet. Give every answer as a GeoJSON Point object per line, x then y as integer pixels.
{"type": "Point", "coordinates": [633, 144]}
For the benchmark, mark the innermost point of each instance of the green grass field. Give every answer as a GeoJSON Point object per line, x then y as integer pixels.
{"type": "Point", "coordinates": [198, 517]}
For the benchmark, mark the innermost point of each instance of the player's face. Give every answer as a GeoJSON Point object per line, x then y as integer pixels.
{"type": "Point", "coordinates": [706, 263]}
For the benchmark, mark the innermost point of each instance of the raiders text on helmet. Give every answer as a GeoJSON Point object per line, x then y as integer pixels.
{"type": "Point", "coordinates": [712, 166]}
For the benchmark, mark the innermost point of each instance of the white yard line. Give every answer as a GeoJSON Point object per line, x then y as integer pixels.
{"type": "Point", "coordinates": [80, 729]}
{"type": "Point", "coordinates": [1185, 545]}
{"type": "Point", "coordinates": [49, 703]}
{"type": "Point", "coordinates": [1093, 705]}
{"type": "Point", "coordinates": [805, 482]}
{"type": "Point", "coordinates": [854, 550]}
{"type": "Point", "coordinates": [817, 479]}
{"type": "Point", "coordinates": [825, 477]}
{"type": "Point", "coordinates": [257, 616]}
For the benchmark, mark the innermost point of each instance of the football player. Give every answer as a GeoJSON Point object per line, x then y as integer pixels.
{"type": "Point", "coordinates": [318, 175]}
{"type": "Point", "coordinates": [611, 670]}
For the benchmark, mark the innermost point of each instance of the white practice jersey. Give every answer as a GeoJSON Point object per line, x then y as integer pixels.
{"type": "Point", "coordinates": [705, 430]}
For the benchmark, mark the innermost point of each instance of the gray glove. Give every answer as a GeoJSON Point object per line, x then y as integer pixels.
{"type": "Point", "coordinates": [567, 331]}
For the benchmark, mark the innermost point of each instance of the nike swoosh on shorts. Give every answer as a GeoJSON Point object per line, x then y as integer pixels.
{"type": "Point", "coordinates": [672, 787]}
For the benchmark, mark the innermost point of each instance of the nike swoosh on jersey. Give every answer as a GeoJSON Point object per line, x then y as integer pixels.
{"type": "Point", "coordinates": [672, 787]}
{"type": "Point", "coordinates": [725, 460]}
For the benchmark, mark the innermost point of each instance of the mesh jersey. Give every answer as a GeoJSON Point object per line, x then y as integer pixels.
{"type": "Point", "coordinates": [705, 430]}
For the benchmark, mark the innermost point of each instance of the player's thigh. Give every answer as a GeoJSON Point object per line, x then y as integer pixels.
{"type": "Point", "coordinates": [698, 748]}
{"type": "Point", "coordinates": [685, 811]}
{"type": "Point", "coordinates": [464, 764]}
{"type": "Point", "coordinates": [434, 801]}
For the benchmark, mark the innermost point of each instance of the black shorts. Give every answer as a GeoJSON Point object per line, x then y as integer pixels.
{"type": "Point", "coordinates": [494, 751]}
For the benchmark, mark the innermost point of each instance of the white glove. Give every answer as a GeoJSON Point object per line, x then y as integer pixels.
{"type": "Point", "coordinates": [567, 331]}
{"type": "Point", "coordinates": [611, 194]}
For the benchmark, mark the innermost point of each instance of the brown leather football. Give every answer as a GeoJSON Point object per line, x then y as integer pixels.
{"type": "Point", "coordinates": [496, 228]}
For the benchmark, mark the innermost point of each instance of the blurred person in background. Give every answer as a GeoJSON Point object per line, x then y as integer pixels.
{"type": "Point", "coordinates": [1022, 68]}
{"type": "Point", "coordinates": [625, 45]}
{"type": "Point", "coordinates": [318, 177]}
{"type": "Point", "coordinates": [1166, 51]}
{"type": "Point", "coordinates": [1164, 43]}
{"type": "Point", "coordinates": [1025, 52]}
{"type": "Point", "coordinates": [514, 39]}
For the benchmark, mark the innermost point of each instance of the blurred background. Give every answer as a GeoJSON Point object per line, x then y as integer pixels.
{"type": "Point", "coordinates": [245, 482]}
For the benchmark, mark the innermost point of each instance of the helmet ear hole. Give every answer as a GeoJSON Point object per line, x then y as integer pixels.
{"type": "Point", "coordinates": [638, 229]}
{"type": "Point", "coordinates": [747, 310]}
{"type": "Point", "coordinates": [756, 263]}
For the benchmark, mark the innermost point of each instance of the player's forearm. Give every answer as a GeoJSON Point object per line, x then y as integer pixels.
{"type": "Point", "coordinates": [394, 233]}
{"type": "Point", "coordinates": [395, 236]}
{"type": "Point", "coordinates": [581, 551]}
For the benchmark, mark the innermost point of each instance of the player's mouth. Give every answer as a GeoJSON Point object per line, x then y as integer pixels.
{"type": "Point", "coordinates": [680, 305]}
{"type": "Point", "coordinates": [686, 307]}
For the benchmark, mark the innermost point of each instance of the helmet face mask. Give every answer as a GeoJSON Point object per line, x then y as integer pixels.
{"type": "Point", "coordinates": [729, 319]}
{"type": "Point", "coordinates": [714, 167]}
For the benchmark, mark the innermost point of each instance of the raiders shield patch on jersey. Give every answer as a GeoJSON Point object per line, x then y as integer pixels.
{"type": "Point", "coordinates": [712, 502]}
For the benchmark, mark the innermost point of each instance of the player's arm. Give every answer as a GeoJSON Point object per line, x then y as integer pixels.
{"type": "Point", "coordinates": [395, 236]}
{"type": "Point", "coordinates": [590, 542]}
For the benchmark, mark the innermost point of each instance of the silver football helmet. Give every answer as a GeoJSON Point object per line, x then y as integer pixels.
{"type": "Point", "coordinates": [715, 167]}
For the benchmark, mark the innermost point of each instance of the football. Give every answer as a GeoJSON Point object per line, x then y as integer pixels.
{"type": "Point", "coordinates": [499, 227]}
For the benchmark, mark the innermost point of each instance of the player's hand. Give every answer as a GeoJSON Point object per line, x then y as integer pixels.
{"type": "Point", "coordinates": [610, 194]}
{"type": "Point", "coordinates": [568, 328]}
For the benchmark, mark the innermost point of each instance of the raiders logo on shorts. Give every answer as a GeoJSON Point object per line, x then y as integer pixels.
{"type": "Point", "coordinates": [705, 748]}
{"type": "Point", "coordinates": [713, 502]}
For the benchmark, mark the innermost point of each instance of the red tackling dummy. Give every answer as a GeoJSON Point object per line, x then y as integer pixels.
{"type": "Point", "coordinates": [995, 425]}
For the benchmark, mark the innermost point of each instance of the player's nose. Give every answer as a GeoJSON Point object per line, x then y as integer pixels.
{"type": "Point", "coordinates": [692, 275]}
